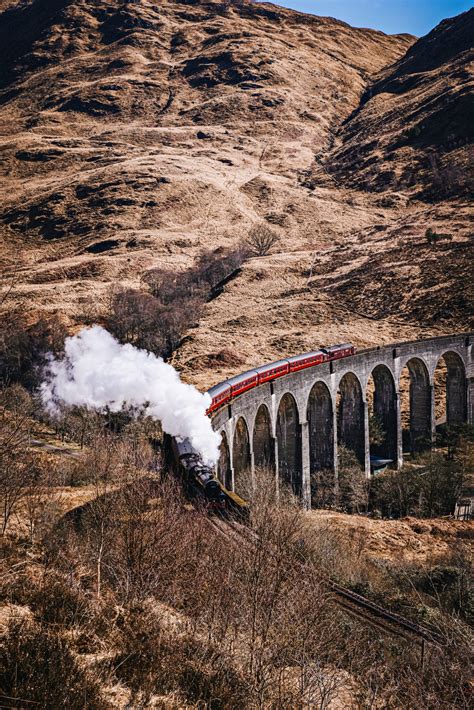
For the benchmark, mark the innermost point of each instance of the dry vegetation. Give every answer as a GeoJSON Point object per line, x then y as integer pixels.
{"type": "Point", "coordinates": [137, 600]}
{"type": "Point", "coordinates": [428, 485]}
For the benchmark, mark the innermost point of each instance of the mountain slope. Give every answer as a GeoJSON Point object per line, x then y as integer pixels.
{"type": "Point", "coordinates": [137, 134]}
{"type": "Point", "coordinates": [414, 129]}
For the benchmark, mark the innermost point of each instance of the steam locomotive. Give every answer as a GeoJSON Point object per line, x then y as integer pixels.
{"type": "Point", "coordinates": [224, 392]}
{"type": "Point", "coordinates": [186, 463]}
{"type": "Point", "coordinates": [199, 480]}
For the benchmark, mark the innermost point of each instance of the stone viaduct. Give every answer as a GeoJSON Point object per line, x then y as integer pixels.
{"type": "Point", "coordinates": [296, 423]}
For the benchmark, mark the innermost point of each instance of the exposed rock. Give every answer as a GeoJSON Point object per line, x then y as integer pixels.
{"type": "Point", "coordinates": [105, 245]}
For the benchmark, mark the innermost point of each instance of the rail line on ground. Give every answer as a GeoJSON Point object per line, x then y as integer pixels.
{"type": "Point", "coordinates": [351, 602]}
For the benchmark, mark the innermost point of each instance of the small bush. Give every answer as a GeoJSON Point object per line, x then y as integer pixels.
{"type": "Point", "coordinates": [353, 483]}
{"type": "Point", "coordinates": [59, 601]}
{"type": "Point", "coordinates": [448, 582]}
{"type": "Point", "coordinates": [38, 668]}
{"type": "Point", "coordinates": [323, 489]}
{"type": "Point", "coordinates": [261, 239]}
{"type": "Point", "coordinates": [145, 661]}
{"type": "Point", "coordinates": [154, 661]}
{"type": "Point", "coordinates": [432, 237]}
{"type": "Point", "coordinates": [207, 677]}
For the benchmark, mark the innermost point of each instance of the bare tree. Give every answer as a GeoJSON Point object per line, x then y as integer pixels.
{"type": "Point", "coordinates": [352, 481]}
{"type": "Point", "coordinates": [261, 239]}
{"type": "Point", "coordinates": [376, 431]}
{"type": "Point", "coordinates": [41, 502]}
{"type": "Point", "coordinates": [15, 462]}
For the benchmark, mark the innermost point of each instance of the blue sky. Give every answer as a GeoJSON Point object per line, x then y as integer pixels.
{"type": "Point", "coordinates": [414, 16]}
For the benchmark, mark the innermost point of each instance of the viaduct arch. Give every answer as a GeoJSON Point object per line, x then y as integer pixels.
{"type": "Point", "coordinates": [384, 412]}
{"type": "Point", "coordinates": [241, 457]}
{"type": "Point", "coordinates": [296, 423]}
{"type": "Point", "coordinates": [288, 436]}
{"type": "Point", "coordinates": [421, 396]}
{"type": "Point", "coordinates": [455, 388]}
{"type": "Point", "coordinates": [320, 417]}
{"type": "Point", "coordinates": [263, 442]}
{"type": "Point", "coordinates": [351, 415]}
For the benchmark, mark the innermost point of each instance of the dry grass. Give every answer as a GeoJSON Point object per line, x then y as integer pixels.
{"type": "Point", "coordinates": [143, 603]}
{"type": "Point", "coordinates": [408, 539]}
{"type": "Point", "coordinates": [167, 164]}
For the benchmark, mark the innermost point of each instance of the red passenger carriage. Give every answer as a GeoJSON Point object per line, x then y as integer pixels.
{"type": "Point", "coordinates": [226, 391]}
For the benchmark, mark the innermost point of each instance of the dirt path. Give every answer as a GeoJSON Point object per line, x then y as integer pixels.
{"type": "Point", "coordinates": [50, 448]}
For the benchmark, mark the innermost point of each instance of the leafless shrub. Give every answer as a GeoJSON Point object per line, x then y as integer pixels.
{"type": "Point", "coordinates": [27, 478]}
{"type": "Point", "coordinates": [141, 319]}
{"type": "Point", "coordinates": [210, 268]}
{"type": "Point", "coordinates": [17, 399]}
{"type": "Point", "coordinates": [156, 319]}
{"type": "Point", "coordinates": [353, 484]}
{"type": "Point", "coordinates": [337, 555]}
{"type": "Point", "coordinates": [155, 660]}
{"type": "Point", "coordinates": [38, 667]}
{"type": "Point", "coordinates": [16, 464]}
{"type": "Point", "coordinates": [23, 345]}
{"type": "Point", "coordinates": [214, 266]}
{"type": "Point", "coordinates": [323, 489]}
{"type": "Point", "coordinates": [55, 599]}
{"type": "Point", "coordinates": [41, 502]}
{"type": "Point", "coordinates": [261, 239]}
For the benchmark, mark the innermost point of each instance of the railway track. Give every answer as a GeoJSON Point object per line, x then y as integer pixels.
{"type": "Point", "coordinates": [352, 603]}
{"type": "Point", "coordinates": [379, 616]}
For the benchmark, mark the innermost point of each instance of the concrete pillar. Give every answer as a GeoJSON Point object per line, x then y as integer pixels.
{"type": "Point", "coordinates": [305, 466]}
{"type": "Point", "coordinates": [277, 473]}
{"type": "Point", "coordinates": [470, 400]}
{"type": "Point", "coordinates": [336, 453]}
{"type": "Point", "coordinates": [399, 462]}
{"type": "Point", "coordinates": [432, 414]}
{"type": "Point", "coordinates": [230, 442]}
{"type": "Point", "coordinates": [366, 439]}
{"type": "Point", "coordinates": [252, 461]}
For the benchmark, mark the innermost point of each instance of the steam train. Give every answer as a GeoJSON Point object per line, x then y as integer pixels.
{"type": "Point", "coordinates": [185, 462]}
{"type": "Point", "coordinates": [199, 479]}
{"type": "Point", "coordinates": [225, 392]}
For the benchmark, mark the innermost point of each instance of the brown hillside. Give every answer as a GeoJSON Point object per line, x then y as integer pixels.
{"type": "Point", "coordinates": [135, 135]}
{"type": "Point", "coordinates": [414, 128]}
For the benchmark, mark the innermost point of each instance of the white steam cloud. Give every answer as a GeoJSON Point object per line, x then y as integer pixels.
{"type": "Point", "coordinates": [98, 372]}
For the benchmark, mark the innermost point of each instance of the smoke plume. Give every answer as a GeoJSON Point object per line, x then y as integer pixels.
{"type": "Point", "coordinates": [98, 372]}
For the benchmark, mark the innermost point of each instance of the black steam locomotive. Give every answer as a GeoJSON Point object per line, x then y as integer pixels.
{"type": "Point", "coordinates": [199, 480]}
